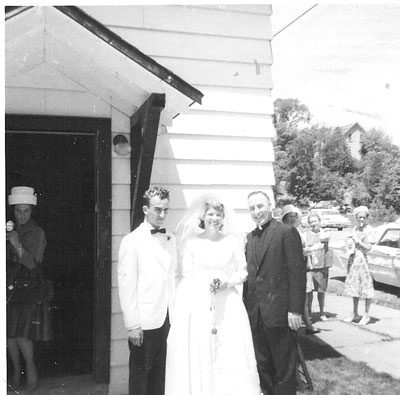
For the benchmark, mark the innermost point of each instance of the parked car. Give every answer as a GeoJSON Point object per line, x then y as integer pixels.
{"type": "Point", "coordinates": [383, 258]}
{"type": "Point", "coordinates": [330, 218]}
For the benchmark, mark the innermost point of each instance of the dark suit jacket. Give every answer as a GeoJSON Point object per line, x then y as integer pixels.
{"type": "Point", "coordinates": [276, 281]}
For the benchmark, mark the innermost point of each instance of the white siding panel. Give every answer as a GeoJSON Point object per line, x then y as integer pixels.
{"type": "Point", "coordinates": [115, 304]}
{"type": "Point", "coordinates": [200, 72]}
{"type": "Point", "coordinates": [120, 123]}
{"type": "Point", "coordinates": [236, 195]}
{"type": "Point", "coordinates": [114, 272]}
{"type": "Point", "coordinates": [25, 101]}
{"type": "Point", "coordinates": [118, 330]}
{"type": "Point", "coordinates": [120, 197]}
{"type": "Point", "coordinates": [189, 147]}
{"type": "Point", "coordinates": [76, 103]}
{"type": "Point", "coordinates": [224, 124]}
{"type": "Point", "coordinates": [119, 376]}
{"type": "Point", "coordinates": [211, 173]}
{"type": "Point", "coordinates": [55, 102]}
{"type": "Point", "coordinates": [195, 46]}
{"type": "Point", "coordinates": [120, 222]}
{"type": "Point", "coordinates": [184, 18]}
{"type": "Point", "coordinates": [121, 168]}
{"type": "Point", "coordinates": [115, 243]}
{"type": "Point", "coordinates": [119, 352]}
{"type": "Point", "coordinates": [251, 101]}
{"type": "Point", "coordinates": [265, 9]}
{"type": "Point", "coordinates": [43, 77]}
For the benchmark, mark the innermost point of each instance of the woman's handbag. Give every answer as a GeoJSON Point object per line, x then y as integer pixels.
{"type": "Point", "coordinates": [30, 289]}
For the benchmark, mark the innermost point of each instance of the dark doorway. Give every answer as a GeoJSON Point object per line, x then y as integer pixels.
{"type": "Point", "coordinates": [61, 168]}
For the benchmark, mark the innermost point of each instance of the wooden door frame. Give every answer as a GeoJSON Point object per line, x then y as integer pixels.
{"type": "Point", "coordinates": [100, 128]}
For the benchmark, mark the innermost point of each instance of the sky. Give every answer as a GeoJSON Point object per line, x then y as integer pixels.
{"type": "Point", "coordinates": [341, 60]}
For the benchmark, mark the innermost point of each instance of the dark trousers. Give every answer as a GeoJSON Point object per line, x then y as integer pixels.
{"type": "Point", "coordinates": [147, 362]}
{"type": "Point", "coordinates": [276, 355]}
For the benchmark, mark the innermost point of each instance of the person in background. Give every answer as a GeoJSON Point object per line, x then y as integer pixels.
{"type": "Point", "coordinates": [359, 281]}
{"type": "Point", "coordinates": [316, 247]}
{"type": "Point", "coordinates": [146, 284]}
{"type": "Point", "coordinates": [24, 251]}
{"type": "Point", "coordinates": [291, 215]}
{"type": "Point", "coordinates": [274, 296]}
{"type": "Point", "coordinates": [210, 349]}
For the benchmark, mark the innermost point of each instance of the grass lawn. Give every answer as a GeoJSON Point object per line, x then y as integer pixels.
{"type": "Point", "coordinates": [340, 376]}
{"type": "Point", "coordinates": [334, 374]}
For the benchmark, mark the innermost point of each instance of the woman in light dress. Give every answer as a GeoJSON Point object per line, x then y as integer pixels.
{"type": "Point", "coordinates": [359, 281]}
{"type": "Point", "coordinates": [210, 348]}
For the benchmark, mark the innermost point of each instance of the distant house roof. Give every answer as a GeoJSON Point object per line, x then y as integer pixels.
{"type": "Point", "coordinates": [120, 45]}
{"type": "Point", "coordinates": [349, 129]}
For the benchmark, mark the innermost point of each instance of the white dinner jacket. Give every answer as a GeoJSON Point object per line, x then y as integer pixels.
{"type": "Point", "coordinates": [146, 277]}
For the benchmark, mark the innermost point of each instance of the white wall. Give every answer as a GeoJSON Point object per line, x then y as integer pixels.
{"type": "Point", "coordinates": [223, 145]}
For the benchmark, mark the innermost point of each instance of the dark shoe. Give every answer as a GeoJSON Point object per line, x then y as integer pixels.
{"type": "Point", "coordinates": [312, 331]}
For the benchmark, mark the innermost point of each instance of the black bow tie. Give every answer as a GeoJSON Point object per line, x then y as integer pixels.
{"type": "Point", "coordinates": [159, 230]}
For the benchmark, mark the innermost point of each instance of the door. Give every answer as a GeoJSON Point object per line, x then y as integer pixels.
{"type": "Point", "coordinates": [63, 168]}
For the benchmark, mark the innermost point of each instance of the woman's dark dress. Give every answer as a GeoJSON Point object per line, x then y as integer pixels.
{"type": "Point", "coordinates": [29, 320]}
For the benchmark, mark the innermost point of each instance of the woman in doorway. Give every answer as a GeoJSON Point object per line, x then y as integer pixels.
{"type": "Point", "coordinates": [210, 349]}
{"type": "Point", "coordinates": [359, 281]}
{"type": "Point", "coordinates": [25, 248]}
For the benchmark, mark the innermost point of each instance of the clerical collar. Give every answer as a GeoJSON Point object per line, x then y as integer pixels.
{"type": "Point", "coordinates": [265, 225]}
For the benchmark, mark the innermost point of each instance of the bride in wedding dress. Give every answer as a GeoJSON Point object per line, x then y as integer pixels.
{"type": "Point", "coordinates": [210, 348]}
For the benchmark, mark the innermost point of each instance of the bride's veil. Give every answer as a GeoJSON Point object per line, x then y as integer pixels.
{"type": "Point", "coordinates": [189, 226]}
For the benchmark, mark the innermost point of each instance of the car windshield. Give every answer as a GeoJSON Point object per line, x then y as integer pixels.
{"type": "Point", "coordinates": [391, 238]}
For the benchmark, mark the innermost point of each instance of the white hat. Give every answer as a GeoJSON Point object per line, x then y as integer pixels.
{"type": "Point", "coordinates": [22, 195]}
{"type": "Point", "coordinates": [360, 209]}
{"type": "Point", "coordinates": [289, 208]}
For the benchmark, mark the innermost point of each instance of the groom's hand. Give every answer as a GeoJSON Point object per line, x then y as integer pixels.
{"type": "Point", "coordinates": [136, 336]}
{"type": "Point", "coordinates": [294, 321]}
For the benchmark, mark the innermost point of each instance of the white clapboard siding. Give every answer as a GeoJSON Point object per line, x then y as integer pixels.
{"type": "Point", "coordinates": [115, 304]}
{"type": "Point", "coordinates": [245, 8]}
{"type": "Point", "coordinates": [235, 195]}
{"type": "Point", "coordinates": [121, 198]}
{"type": "Point", "coordinates": [118, 330]}
{"type": "Point", "coordinates": [224, 145]}
{"type": "Point", "coordinates": [187, 19]}
{"type": "Point", "coordinates": [218, 73]}
{"type": "Point", "coordinates": [54, 102]}
{"type": "Point", "coordinates": [120, 170]}
{"type": "Point", "coordinates": [44, 77]}
{"type": "Point", "coordinates": [118, 379]}
{"type": "Point", "coordinates": [119, 355]}
{"type": "Point", "coordinates": [167, 171]}
{"type": "Point", "coordinates": [120, 222]}
{"type": "Point", "coordinates": [120, 123]}
{"type": "Point", "coordinates": [235, 100]}
{"type": "Point", "coordinates": [197, 46]}
{"type": "Point", "coordinates": [186, 146]}
{"type": "Point", "coordinates": [223, 124]}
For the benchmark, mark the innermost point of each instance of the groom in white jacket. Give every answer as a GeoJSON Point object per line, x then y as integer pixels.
{"type": "Point", "coordinates": [146, 282]}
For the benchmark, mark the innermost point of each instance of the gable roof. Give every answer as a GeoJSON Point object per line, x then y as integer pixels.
{"type": "Point", "coordinates": [349, 129]}
{"type": "Point", "coordinates": [72, 43]}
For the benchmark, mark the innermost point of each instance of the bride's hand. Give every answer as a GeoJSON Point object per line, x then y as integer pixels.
{"type": "Point", "coordinates": [222, 286]}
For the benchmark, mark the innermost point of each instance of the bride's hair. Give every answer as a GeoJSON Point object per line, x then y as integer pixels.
{"type": "Point", "coordinates": [192, 223]}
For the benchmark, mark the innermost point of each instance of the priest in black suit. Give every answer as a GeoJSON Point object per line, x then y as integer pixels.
{"type": "Point", "coordinates": [274, 295]}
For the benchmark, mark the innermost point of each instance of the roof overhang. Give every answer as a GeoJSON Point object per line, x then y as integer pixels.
{"type": "Point", "coordinates": [64, 48]}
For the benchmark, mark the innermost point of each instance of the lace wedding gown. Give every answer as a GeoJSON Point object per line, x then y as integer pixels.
{"type": "Point", "coordinates": [200, 362]}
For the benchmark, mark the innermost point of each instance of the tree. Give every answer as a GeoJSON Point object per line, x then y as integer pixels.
{"type": "Point", "coordinates": [291, 113]}
{"type": "Point", "coordinates": [336, 155]}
